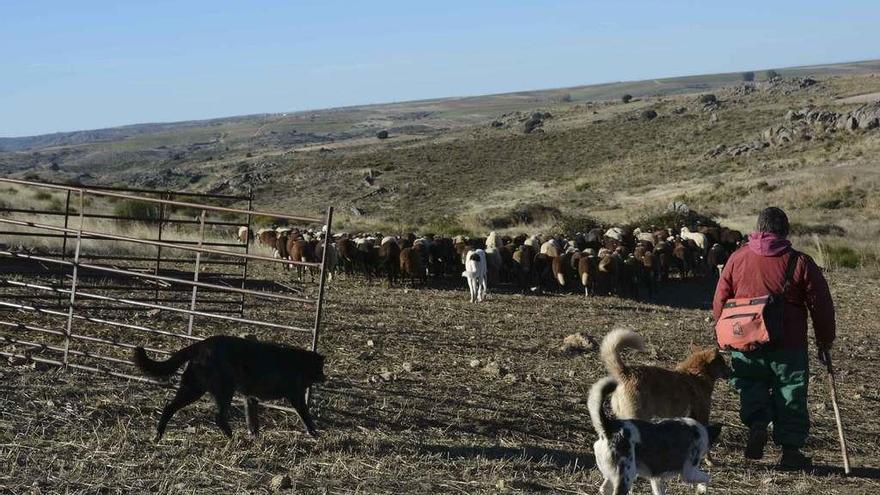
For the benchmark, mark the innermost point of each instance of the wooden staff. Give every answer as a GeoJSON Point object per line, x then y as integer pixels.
{"type": "Point", "coordinates": [826, 358]}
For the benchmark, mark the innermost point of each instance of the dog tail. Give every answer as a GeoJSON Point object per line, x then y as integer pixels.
{"type": "Point", "coordinates": [603, 425]}
{"type": "Point", "coordinates": [163, 369]}
{"type": "Point", "coordinates": [615, 342]}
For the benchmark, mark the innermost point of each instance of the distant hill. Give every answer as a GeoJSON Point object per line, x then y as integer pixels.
{"type": "Point", "coordinates": [440, 112]}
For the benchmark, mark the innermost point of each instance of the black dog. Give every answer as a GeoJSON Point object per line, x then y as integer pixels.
{"type": "Point", "coordinates": [221, 365]}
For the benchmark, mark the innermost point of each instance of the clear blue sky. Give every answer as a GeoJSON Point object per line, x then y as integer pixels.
{"type": "Point", "coordinates": [69, 65]}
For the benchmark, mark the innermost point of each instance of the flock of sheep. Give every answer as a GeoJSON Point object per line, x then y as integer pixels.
{"type": "Point", "coordinates": [613, 261]}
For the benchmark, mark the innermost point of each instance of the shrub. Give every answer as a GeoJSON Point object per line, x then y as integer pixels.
{"type": "Point", "coordinates": [583, 186]}
{"type": "Point", "coordinates": [827, 229]}
{"type": "Point", "coordinates": [771, 74]}
{"type": "Point", "coordinates": [842, 257]}
{"type": "Point", "coordinates": [673, 219]}
{"type": "Point", "coordinates": [569, 225]}
{"type": "Point", "coordinates": [649, 114]}
{"type": "Point", "coordinates": [382, 134]}
{"type": "Point", "coordinates": [566, 98]}
{"type": "Point", "coordinates": [748, 76]}
{"type": "Point", "coordinates": [626, 98]}
{"type": "Point", "coordinates": [523, 214]}
{"type": "Point", "coordinates": [138, 210]}
{"type": "Point", "coordinates": [708, 98]}
{"type": "Point", "coordinates": [56, 204]}
{"type": "Point", "coordinates": [42, 195]}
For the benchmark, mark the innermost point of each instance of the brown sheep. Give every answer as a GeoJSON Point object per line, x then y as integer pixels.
{"type": "Point", "coordinates": [588, 265]}
{"type": "Point", "coordinates": [389, 259]}
{"type": "Point", "coordinates": [411, 265]}
{"type": "Point", "coordinates": [302, 251]}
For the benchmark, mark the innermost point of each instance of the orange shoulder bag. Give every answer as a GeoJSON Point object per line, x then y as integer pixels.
{"type": "Point", "coordinates": [754, 323]}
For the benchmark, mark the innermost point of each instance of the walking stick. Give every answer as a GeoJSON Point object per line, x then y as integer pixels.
{"type": "Point", "coordinates": [826, 357]}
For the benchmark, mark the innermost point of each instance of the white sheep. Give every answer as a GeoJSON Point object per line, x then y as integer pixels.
{"type": "Point", "coordinates": [698, 238]}
{"type": "Point", "coordinates": [476, 274]}
{"type": "Point", "coordinates": [493, 241]}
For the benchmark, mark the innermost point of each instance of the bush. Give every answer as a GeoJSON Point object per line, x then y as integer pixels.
{"type": "Point", "coordinates": [42, 195]}
{"type": "Point", "coordinates": [626, 98]}
{"type": "Point", "coordinates": [673, 219]}
{"type": "Point", "coordinates": [748, 76]}
{"type": "Point", "coordinates": [771, 74]}
{"type": "Point", "coordinates": [138, 210]}
{"type": "Point", "coordinates": [649, 114]}
{"type": "Point", "coordinates": [522, 215]}
{"type": "Point", "coordinates": [56, 204]}
{"type": "Point", "coordinates": [382, 134]}
{"type": "Point", "coordinates": [569, 225]}
{"type": "Point", "coordinates": [842, 257]}
{"type": "Point", "coordinates": [566, 98]}
{"type": "Point", "coordinates": [708, 98]}
{"type": "Point", "coordinates": [827, 229]}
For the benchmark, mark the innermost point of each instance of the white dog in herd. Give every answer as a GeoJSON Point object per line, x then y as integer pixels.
{"type": "Point", "coordinates": [475, 273]}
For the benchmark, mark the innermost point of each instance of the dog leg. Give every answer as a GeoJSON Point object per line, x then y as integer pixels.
{"type": "Point", "coordinates": [188, 393]}
{"type": "Point", "coordinates": [223, 398]}
{"type": "Point", "coordinates": [298, 402]}
{"type": "Point", "coordinates": [250, 411]}
{"type": "Point", "coordinates": [694, 475]}
{"type": "Point", "coordinates": [606, 488]}
{"type": "Point", "coordinates": [658, 486]}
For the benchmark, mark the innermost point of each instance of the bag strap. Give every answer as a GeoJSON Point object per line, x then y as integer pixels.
{"type": "Point", "coordinates": [789, 270]}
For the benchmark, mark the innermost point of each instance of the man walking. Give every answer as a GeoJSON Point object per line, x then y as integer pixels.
{"type": "Point", "coordinates": [772, 382]}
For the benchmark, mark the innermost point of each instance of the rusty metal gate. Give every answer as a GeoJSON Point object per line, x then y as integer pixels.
{"type": "Point", "coordinates": [89, 273]}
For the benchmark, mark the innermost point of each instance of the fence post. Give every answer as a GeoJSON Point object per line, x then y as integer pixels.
{"type": "Point", "coordinates": [319, 306]}
{"type": "Point", "coordinates": [247, 244]}
{"type": "Point", "coordinates": [192, 304]}
{"type": "Point", "coordinates": [164, 195]}
{"type": "Point", "coordinates": [69, 329]}
{"type": "Point", "coordinates": [61, 269]}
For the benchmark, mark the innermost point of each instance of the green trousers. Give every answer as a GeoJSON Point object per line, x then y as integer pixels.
{"type": "Point", "coordinates": [772, 388]}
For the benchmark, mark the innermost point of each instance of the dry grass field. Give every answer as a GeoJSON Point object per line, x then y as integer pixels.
{"type": "Point", "coordinates": [442, 419]}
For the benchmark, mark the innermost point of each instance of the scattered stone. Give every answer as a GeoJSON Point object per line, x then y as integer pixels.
{"type": "Point", "coordinates": [497, 123]}
{"type": "Point", "coordinates": [679, 111]}
{"type": "Point", "coordinates": [713, 118]}
{"type": "Point", "coordinates": [358, 212]}
{"type": "Point", "coordinates": [370, 343]}
{"type": "Point", "coordinates": [494, 369]}
{"type": "Point", "coordinates": [280, 482]}
{"type": "Point", "coordinates": [475, 363]}
{"type": "Point", "coordinates": [387, 376]}
{"type": "Point", "coordinates": [410, 367]}
{"type": "Point", "coordinates": [154, 313]}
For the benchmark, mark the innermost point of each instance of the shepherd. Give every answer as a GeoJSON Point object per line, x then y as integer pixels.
{"type": "Point", "coordinates": [772, 379]}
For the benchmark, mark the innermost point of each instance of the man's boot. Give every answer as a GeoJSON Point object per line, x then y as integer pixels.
{"type": "Point", "coordinates": [757, 441]}
{"type": "Point", "coordinates": [793, 458]}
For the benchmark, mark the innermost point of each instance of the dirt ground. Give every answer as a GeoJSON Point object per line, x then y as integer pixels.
{"type": "Point", "coordinates": [437, 422]}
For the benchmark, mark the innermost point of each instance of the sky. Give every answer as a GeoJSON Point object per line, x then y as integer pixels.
{"type": "Point", "coordinates": [74, 65]}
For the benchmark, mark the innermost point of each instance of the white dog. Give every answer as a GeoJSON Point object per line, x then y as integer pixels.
{"type": "Point", "coordinates": [475, 273]}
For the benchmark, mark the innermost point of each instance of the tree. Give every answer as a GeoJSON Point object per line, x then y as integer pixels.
{"type": "Point", "coordinates": [626, 98]}
{"type": "Point", "coordinates": [748, 76]}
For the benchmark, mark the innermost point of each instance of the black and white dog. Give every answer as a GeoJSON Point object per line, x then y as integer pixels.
{"type": "Point", "coordinates": [656, 450]}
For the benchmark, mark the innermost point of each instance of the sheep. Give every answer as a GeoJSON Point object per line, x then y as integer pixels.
{"type": "Point", "coordinates": [494, 263]}
{"type": "Point", "coordinates": [389, 259]}
{"type": "Point", "coordinates": [476, 273]}
{"type": "Point", "coordinates": [411, 265]}
{"type": "Point", "coordinates": [300, 250]}
{"type": "Point", "coordinates": [244, 234]}
{"type": "Point", "coordinates": [698, 238]}
{"type": "Point", "coordinates": [332, 257]}
{"type": "Point", "coordinates": [550, 248]}
{"type": "Point", "coordinates": [588, 265]}
{"type": "Point", "coordinates": [268, 238]}
{"type": "Point", "coordinates": [493, 241]}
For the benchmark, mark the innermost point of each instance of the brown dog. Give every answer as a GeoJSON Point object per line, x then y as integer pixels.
{"type": "Point", "coordinates": [647, 392]}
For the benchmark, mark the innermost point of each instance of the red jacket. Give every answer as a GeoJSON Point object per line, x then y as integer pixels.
{"type": "Point", "coordinates": [758, 269]}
